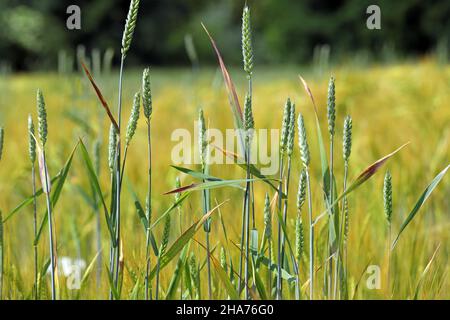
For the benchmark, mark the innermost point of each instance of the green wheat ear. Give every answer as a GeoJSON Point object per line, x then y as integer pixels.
{"type": "Point", "coordinates": [299, 238]}
{"type": "Point", "coordinates": [134, 117]}
{"type": "Point", "coordinates": [2, 136]}
{"type": "Point", "coordinates": [130, 25]}
{"type": "Point", "coordinates": [249, 122]}
{"type": "Point", "coordinates": [301, 193]}
{"type": "Point", "coordinates": [387, 197]}
{"type": "Point", "coordinates": [31, 141]}
{"type": "Point", "coordinates": [285, 125]}
{"type": "Point", "coordinates": [223, 259]}
{"type": "Point", "coordinates": [331, 106]}
{"type": "Point", "coordinates": [146, 94]}
{"type": "Point", "coordinates": [267, 218]}
{"type": "Point", "coordinates": [347, 143]}
{"type": "Point", "coordinates": [42, 117]}
{"type": "Point", "coordinates": [247, 49]}
{"type": "Point", "coordinates": [112, 147]}
{"type": "Point", "coordinates": [202, 142]}
{"type": "Point", "coordinates": [165, 237]}
{"type": "Point", "coordinates": [303, 142]}
{"type": "Point", "coordinates": [291, 131]}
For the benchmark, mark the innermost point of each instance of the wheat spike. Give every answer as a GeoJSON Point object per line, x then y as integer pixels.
{"type": "Point", "coordinates": [291, 131]}
{"type": "Point", "coordinates": [147, 94]}
{"type": "Point", "coordinates": [134, 117]}
{"type": "Point", "coordinates": [285, 125]}
{"type": "Point", "coordinates": [301, 194]}
{"type": "Point", "coordinates": [331, 106]}
{"type": "Point", "coordinates": [303, 142]}
{"type": "Point", "coordinates": [299, 238]}
{"type": "Point", "coordinates": [31, 141]}
{"type": "Point", "coordinates": [267, 218]}
{"type": "Point", "coordinates": [247, 49]}
{"type": "Point", "coordinates": [112, 147]}
{"type": "Point", "coordinates": [42, 117]}
{"type": "Point", "coordinates": [347, 143]}
{"type": "Point", "coordinates": [130, 25]}
{"type": "Point", "coordinates": [387, 197]}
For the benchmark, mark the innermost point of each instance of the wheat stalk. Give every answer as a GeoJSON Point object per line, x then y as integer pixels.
{"type": "Point", "coordinates": [305, 157]}
{"type": "Point", "coordinates": [42, 132]}
{"type": "Point", "coordinates": [147, 106]}
{"type": "Point", "coordinates": [32, 156]}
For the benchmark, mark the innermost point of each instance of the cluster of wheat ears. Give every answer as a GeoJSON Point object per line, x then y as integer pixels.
{"type": "Point", "coordinates": [268, 267]}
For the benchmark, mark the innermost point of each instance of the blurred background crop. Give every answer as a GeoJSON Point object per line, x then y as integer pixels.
{"type": "Point", "coordinates": [33, 33]}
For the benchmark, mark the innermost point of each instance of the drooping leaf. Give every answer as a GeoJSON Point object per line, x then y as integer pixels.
{"type": "Point", "coordinates": [196, 174]}
{"type": "Point", "coordinates": [100, 96]}
{"type": "Point", "coordinates": [365, 175]}
{"type": "Point", "coordinates": [211, 185]}
{"type": "Point", "coordinates": [96, 185]}
{"type": "Point", "coordinates": [425, 195]}
{"type": "Point", "coordinates": [174, 282]}
{"type": "Point", "coordinates": [254, 171]}
{"type": "Point", "coordinates": [56, 192]}
{"type": "Point", "coordinates": [323, 154]}
{"type": "Point", "coordinates": [231, 90]}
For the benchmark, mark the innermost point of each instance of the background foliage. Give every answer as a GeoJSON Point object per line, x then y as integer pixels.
{"type": "Point", "coordinates": [32, 32]}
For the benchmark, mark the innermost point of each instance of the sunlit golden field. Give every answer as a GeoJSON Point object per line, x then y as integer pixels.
{"type": "Point", "coordinates": [390, 105]}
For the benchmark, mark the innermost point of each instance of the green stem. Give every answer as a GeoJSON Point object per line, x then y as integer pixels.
{"type": "Point", "coordinates": [340, 236]}
{"type": "Point", "coordinates": [50, 231]}
{"type": "Point", "coordinates": [331, 219]}
{"type": "Point", "coordinates": [148, 293]}
{"type": "Point", "coordinates": [247, 223]}
{"type": "Point", "coordinates": [118, 175]}
{"type": "Point", "coordinates": [33, 182]}
{"type": "Point", "coordinates": [280, 188]}
{"type": "Point", "coordinates": [311, 238]}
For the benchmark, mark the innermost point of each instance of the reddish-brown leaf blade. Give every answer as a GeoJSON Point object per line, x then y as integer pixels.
{"type": "Point", "coordinates": [100, 96]}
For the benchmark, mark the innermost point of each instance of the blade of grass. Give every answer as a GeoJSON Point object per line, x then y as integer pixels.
{"type": "Point", "coordinates": [425, 195]}
{"type": "Point", "coordinates": [100, 96]}
{"type": "Point", "coordinates": [179, 244]}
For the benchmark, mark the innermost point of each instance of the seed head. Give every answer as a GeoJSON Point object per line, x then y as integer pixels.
{"type": "Point", "coordinates": [42, 118]}
{"type": "Point", "coordinates": [299, 238]}
{"type": "Point", "coordinates": [301, 194]}
{"type": "Point", "coordinates": [303, 142]}
{"type": "Point", "coordinates": [331, 106]}
{"type": "Point", "coordinates": [130, 24]}
{"type": "Point", "coordinates": [247, 50]}
{"type": "Point", "coordinates": [31, 141]}
{"type": "Point", "coordinates": [134, 117]}
{"type": "Point", "coordinates": [291, 131]}
{"type": "Point", "coordinates": [285, 125]}
{"type": "Point", "coordinates": [267, 218]}
{"type": "Point", "coordinates": [202, 141]}
{"type": "Point", "coordinates": [112, 147]}
{"type": "Point", "coordinates": [387, 197]}
{"type": "Point", "coordinates": [249, 123]}
{"type": "Point", "coordinates": [347, 143]}
{"type": "Point", "coordinates": [146, 93]}
{"type": "Point", "coordinates": [346, 217]}
{"type": "Point", "coordinates": [165, 237]}
{"type": "Point", "coordinates": [223, 259]}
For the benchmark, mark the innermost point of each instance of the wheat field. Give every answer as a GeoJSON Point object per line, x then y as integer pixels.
{"type": "Point", "coordinates": [390, 105]}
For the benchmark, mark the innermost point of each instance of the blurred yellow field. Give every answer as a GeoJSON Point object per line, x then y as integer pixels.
{"type": "Point", "coordinates": [389, 104]}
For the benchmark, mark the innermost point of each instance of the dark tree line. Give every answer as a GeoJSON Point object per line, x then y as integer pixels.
{"type": "Point", "coordinates": [33, 32]}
